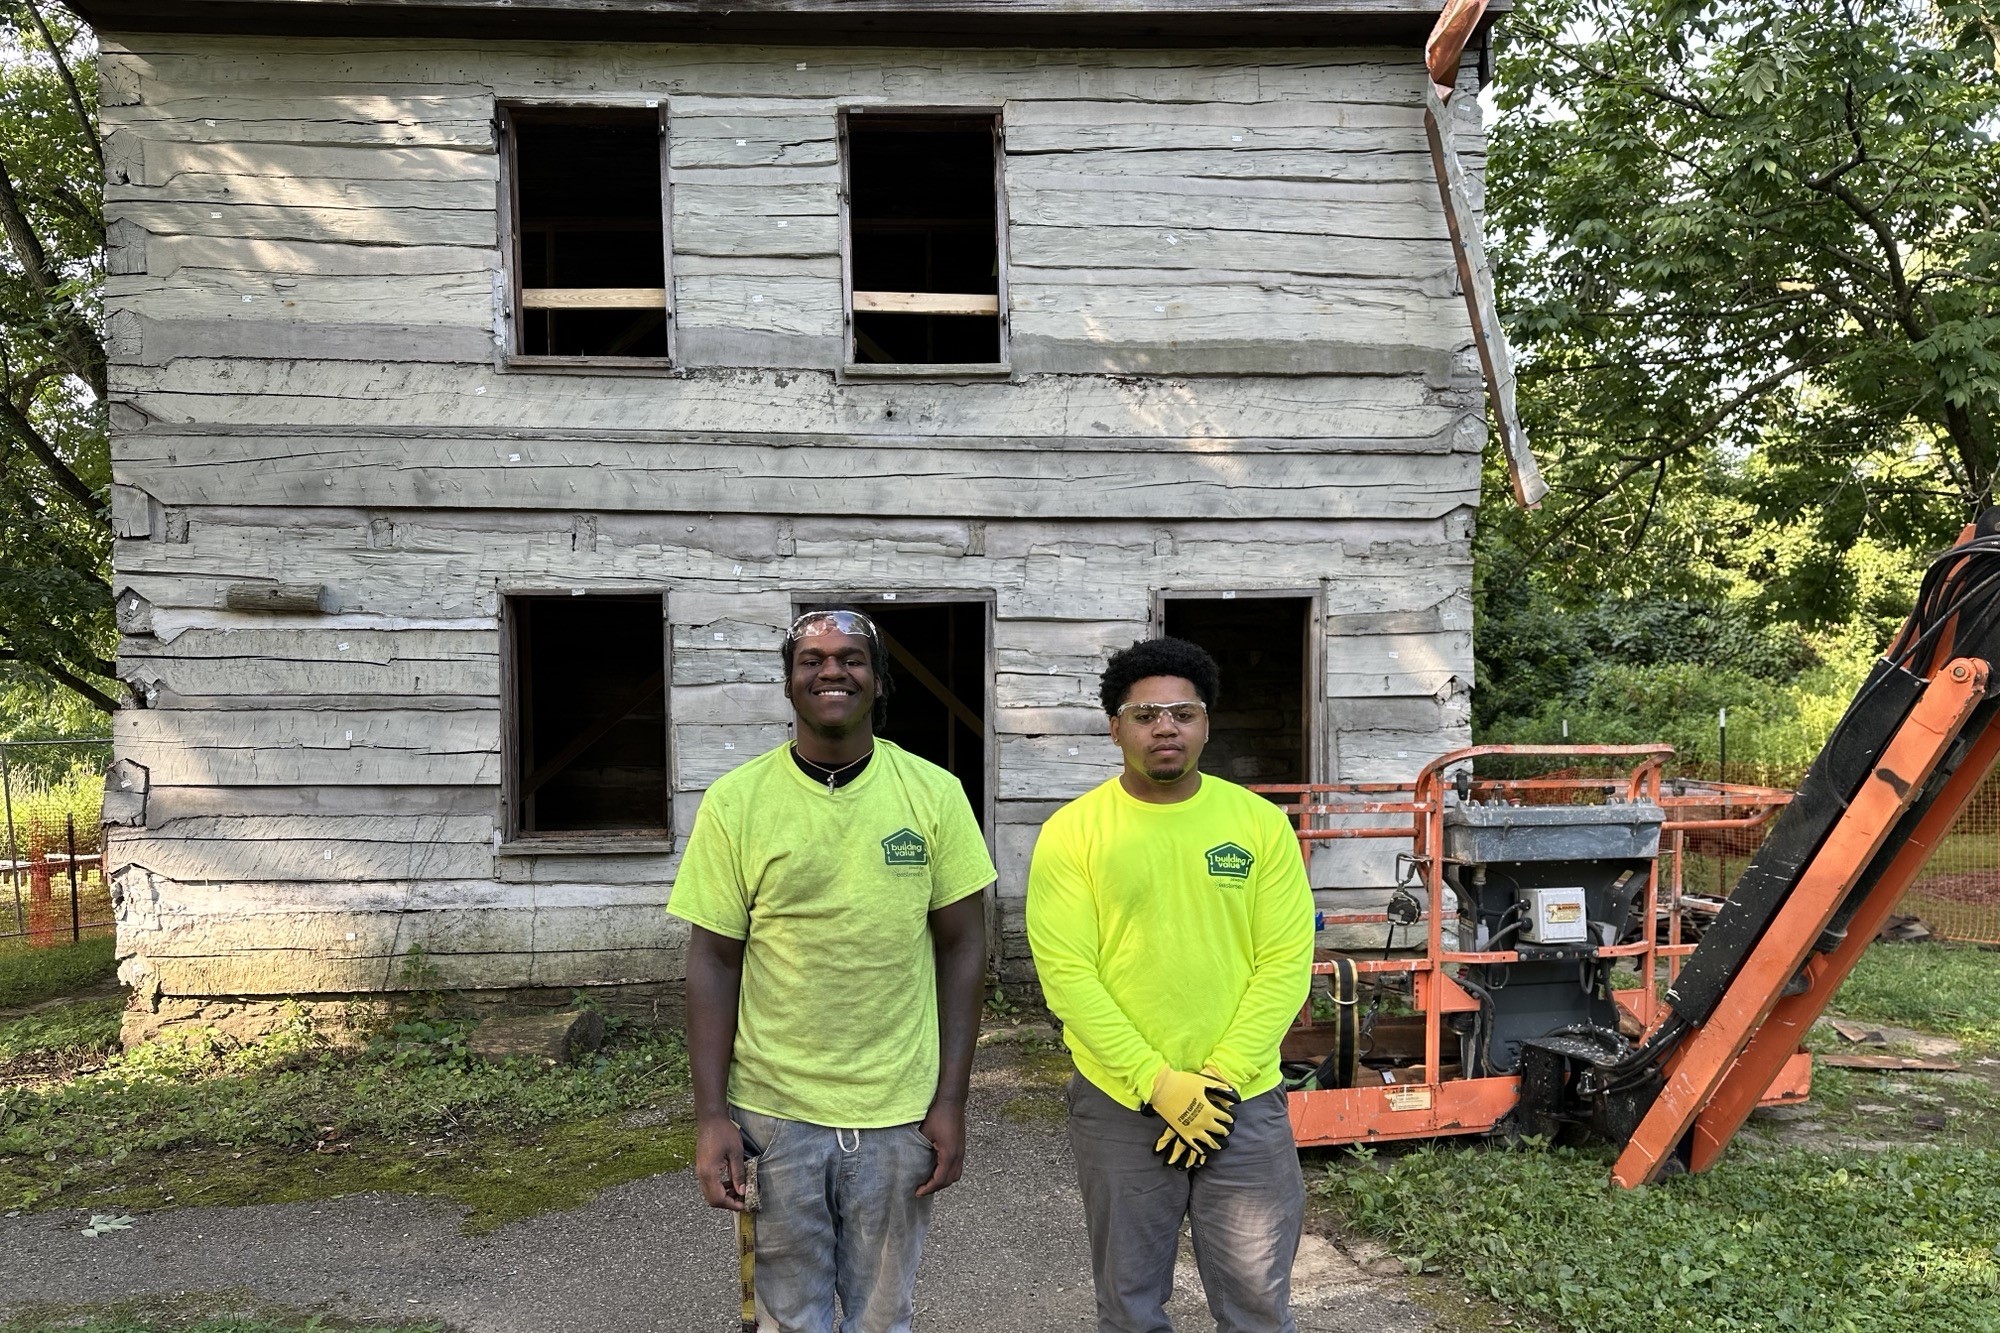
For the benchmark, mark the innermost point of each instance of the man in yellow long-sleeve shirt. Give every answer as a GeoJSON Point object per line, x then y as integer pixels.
{"type": "Point", "coordinates": [1172, 929]}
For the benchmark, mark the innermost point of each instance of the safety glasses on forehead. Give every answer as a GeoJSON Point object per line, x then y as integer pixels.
{"type": "Point", "coordinates": [1184, 713]}
{"type": "Point", "coordinates": [830, 622]}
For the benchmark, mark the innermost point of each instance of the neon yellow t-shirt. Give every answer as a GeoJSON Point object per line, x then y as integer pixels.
{"type": "Point", "coordinates": [836, 1022]}
{"type": "Point", "coordinates": [1174, 934]}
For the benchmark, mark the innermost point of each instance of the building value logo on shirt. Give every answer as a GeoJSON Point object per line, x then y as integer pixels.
{"type": "Point", "coordinates": [1228, 861]}
{"type": "Point", "coordinates": [905, 847]}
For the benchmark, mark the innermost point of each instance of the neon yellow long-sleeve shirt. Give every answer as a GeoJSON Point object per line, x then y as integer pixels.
{"type": "Point", "coordinates": [1174, 935]}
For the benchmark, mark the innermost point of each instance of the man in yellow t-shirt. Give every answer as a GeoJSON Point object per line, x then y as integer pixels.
{"type": "Point", "coordinates": [835, 960]}
{"type": "Point", "coordinates": [1172, 928]}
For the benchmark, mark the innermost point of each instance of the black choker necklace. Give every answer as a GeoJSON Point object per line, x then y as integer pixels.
{"type": "Point", "coordinates": [831, 775]}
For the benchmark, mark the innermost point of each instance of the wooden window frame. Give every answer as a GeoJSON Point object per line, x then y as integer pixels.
{"type": "Point", "coordinates": [513, 840]}
{"type": "Point", "coordinates": [1319, 744]}
{"type": "Point", "coordinates": [986, 597]}
{"type": "Point", "coordinates": [508, 302]}
{"type": "Point", "coordinates": [852, 369]}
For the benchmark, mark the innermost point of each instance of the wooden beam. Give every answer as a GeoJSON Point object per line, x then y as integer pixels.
{"type": "Point", "coordinates": [1475, 277]}
{"type": "Point", "coordinates": [924, 303]}
{"type": "Point", "coordinates": [295, 597]}
{"type": "Point", "coordinates": [593, 298]}
{"type": "Point", "coordinates": [909, 663]}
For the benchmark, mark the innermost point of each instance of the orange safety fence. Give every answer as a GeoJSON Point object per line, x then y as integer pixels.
{"type": "Point", "coordinates": [1957, 894]}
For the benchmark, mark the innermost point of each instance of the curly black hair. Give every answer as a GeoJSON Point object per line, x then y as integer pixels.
{"type": "Point", "coordinates": [1159, 657]}
{"type": "Point", "coordinates": [878, 660]}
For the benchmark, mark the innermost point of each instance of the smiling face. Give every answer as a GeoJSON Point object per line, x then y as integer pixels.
{"type": "Point", "coordinates": [832, 682]}
{"type": "Point", "coordinates": [1163, 751]}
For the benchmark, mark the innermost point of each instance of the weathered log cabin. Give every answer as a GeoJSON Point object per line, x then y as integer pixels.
{"type": "Point", "coordinates": [493, 382]}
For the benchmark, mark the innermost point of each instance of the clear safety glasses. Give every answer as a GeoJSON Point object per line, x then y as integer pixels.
{"type": "Point", "coordinates": [1182, 714]}
{"type": "Point", "coordinates": [830, 622]}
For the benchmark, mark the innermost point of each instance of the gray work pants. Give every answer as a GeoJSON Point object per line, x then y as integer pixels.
{"type": "Point", "coordinates": [1246, 1208]}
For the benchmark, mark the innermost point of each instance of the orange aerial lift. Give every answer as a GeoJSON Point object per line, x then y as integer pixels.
{"type": "Point", "coordinates": [1535, 891]}
{"type": "Point", "coordinates": [1532, 892]}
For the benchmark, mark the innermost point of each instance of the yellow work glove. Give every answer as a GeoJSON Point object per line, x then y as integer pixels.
{"type": "Point", "coordinates": [1179, 1152]}
{"type": "Point", "coordinates": [1195, 1107]}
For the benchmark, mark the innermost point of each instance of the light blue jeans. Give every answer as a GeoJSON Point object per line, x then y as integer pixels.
{"type": "Point", "coordinates": [838, 1216]}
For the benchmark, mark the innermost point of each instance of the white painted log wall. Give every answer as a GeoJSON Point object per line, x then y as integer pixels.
{"type": "Point", "coordinates": [1239, 363]}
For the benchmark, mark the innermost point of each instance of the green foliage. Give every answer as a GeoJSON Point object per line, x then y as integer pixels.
{"type": "Point", "coordinates": [42, 811]}
{"type": "Point", "coordinates": [1750, 263]}
{"type": "Point", "coordinates": [28, 976]}
{"type": "Point", "coordinates": [1893, 1241]}
{"type": "Point", "coordinates": [1774, 730]}
{"type": "Point", "coordinates": [1942, 988]}
{"type": "Point", "coordinates": [186, 1107]}
{"type": "Point", "coordinates": [88, 1027]}
{"type": "Point", "coordinates": [1656, 669]}
{"type": "Point", "coordinates": [32, 709]}
{"type": "Point", "coordinates": [55, 600]}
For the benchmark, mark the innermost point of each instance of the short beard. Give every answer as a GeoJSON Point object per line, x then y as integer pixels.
{"type": "Point", "coordinates": [1169, 774]}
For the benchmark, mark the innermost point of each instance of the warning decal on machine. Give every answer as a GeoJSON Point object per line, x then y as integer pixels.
{"type": "Point", "coordinates": [1408, 1099]}
{"type": "Point", "coordinates": [1564, 914]}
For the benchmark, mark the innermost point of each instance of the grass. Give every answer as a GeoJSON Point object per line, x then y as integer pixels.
{"type": "Point", "coordinates": [28, 976]}
{"type": "Point", "coordinates": [1896, 1241]}
{"type": "Point", "coordinates": [1953, 990]}
{"type": "Point", "coordinates": [88, 1027]}
{"type": "Point", "coordinates": [1859, 1218]}
{"type": "Point", "coordinates": [203, 1121]}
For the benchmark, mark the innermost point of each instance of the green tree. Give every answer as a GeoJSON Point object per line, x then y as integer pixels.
{"type": "Point", "coordinates": [55, 598]}
{"type": "Point", "coordinates": [1750, 257]}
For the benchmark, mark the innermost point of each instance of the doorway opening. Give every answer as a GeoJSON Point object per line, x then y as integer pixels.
{"type": "Point", "coordinates": [937, 654]}
{"type": "Point", "coordinates": [1261, 730]}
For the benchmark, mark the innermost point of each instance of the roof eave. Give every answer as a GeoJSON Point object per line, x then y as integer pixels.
{"type": "Point", "coordinates": [866, 22]}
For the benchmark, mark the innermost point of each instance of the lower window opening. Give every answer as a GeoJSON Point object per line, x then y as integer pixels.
{"type": "Point", "coordinates": [590, 715]}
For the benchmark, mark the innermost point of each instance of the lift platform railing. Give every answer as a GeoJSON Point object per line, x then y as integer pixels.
{"type": "Point", "coordinates": [1407, 1088]}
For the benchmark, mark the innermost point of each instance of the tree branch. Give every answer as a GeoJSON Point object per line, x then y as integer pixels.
{"type": "Point", "coordinates": [27, 245]}
{"type": "Point", "coordinates": [1680, 444]}
{"type": "Point", "coordinates": [98, 698]}
{"type": "Point", "coordinates": [69, 82]}
{"type": "Point", "coordinates": [24, 431]}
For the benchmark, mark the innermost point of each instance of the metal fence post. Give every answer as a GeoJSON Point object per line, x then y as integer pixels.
{"type": "Point", "coordinates": [75, 914]}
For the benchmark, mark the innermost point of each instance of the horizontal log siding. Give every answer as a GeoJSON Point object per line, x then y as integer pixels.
{"type": "Point", "coordinates": [1239, 363]}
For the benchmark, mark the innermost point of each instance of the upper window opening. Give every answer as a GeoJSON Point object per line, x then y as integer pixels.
{"type": "Point", "coordinates": [589, 233]}
{"type": "Point", "coordinates": [924, 239]}
{"type": "Point", "coordinates": [589, 715]}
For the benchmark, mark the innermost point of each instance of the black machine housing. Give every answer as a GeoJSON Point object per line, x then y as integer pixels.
{"type": "Point", "coordinates": [1495, 853]}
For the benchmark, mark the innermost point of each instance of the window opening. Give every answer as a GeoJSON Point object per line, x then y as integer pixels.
{"type": "Point", "coordinates": [923, 239]}
{"type": "Point", "coordinates": [937, 652]}
{"type": "Point", "coordinates": [1260, 729]}
{"type": "Point", "coordinates": [590, 714]}
{"type": "Point", "coordinates": [589, 232]}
